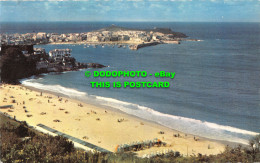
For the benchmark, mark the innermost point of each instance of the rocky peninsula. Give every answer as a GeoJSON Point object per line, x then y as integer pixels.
{"type": "Point", "coordinates": [112, 35]}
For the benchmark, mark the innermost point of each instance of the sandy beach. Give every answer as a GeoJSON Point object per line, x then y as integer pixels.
{"type": "Point", "coordinates": [97, 125]}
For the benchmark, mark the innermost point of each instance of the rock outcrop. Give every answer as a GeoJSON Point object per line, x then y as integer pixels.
{"type": "Point", "coordinates": [15, 65]}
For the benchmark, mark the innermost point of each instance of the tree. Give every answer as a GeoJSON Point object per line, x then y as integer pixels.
{"type": "Point", "coordinates": [255, 147]}
{"type": "Point", "coordinates": [14, 65]}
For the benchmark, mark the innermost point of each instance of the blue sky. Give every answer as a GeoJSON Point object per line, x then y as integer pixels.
{"type": "Point", "coordinates": [138, 10]}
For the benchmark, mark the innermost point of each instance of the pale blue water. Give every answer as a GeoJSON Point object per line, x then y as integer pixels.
{"type": "Point", "coordinates": [216, 90]}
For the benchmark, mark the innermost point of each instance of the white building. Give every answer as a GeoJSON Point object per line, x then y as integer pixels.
{"type": "Point", "coordinates": [41, 35]}
{"type": "Point", "coordinates": [60, 53]}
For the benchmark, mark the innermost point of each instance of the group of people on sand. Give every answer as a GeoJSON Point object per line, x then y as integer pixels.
{"type": "Point", "coordinates": [120, 120]}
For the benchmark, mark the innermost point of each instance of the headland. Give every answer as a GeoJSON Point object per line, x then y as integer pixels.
{"type": "Point", "coordinates": [112, 35]}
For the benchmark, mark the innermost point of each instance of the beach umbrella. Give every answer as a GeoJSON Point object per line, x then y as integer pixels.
{"type": "Point", "coordinates": [116, 149]}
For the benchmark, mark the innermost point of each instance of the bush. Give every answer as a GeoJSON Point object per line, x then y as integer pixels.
{"type": "Point", "coordinates": [46, 148]}
{"type": "Point", "coordinates": [22, 131]}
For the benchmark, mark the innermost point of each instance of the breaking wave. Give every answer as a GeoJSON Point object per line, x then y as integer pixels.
{"type": "Point", "coordinates": [184, 124]}
{"type": "Point", "coordinates": [54, 88]}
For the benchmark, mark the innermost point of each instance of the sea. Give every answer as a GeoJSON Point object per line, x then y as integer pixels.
{"type": "Point", "coordinates": [215, 92]}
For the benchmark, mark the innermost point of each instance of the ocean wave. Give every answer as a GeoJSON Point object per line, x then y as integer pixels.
{"type": "Point", "coordinates": [187, 125]}
{"type": "Point", "coordinates": [112, 100]}
{"type": "Point", "coordinates": [230, 129]}
{"type": "Point", "coordinates": [54, 88]}
{"type": "Point", "coordinates": [209, 124]}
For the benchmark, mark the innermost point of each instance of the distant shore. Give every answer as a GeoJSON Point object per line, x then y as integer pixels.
{"type": "Point", "coordinates": [108, 42]}
{"type": "Point", "coordinates": [103, 127]}
{"type": "Point", "coordinates": [132, 44]}
{"type": "Point", "coordinates": [117, 42]}
{"type": "Point", "coordinates": [96, 43]}
{"type": "Point", "coordinates": [135, 38]}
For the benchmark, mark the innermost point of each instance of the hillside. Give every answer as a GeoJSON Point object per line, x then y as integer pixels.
{"type": "Point", "coordinates": [114, 28]}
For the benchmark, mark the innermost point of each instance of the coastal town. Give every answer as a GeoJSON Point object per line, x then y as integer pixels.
{"type": "Point", "coordinates": [113, 35]}
{"type": "Point", "coordinates": [59, 60]}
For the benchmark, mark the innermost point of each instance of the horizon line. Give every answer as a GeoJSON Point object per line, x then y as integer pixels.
{"type": "Point", "coordinates": [135, 21]}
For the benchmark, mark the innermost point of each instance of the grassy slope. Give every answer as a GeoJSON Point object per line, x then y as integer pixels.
{"type": "Point", "coordinates": [44, 148]}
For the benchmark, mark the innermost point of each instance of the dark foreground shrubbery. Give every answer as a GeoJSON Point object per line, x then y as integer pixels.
{"type": "Point", "coordinates": [21, 144]}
